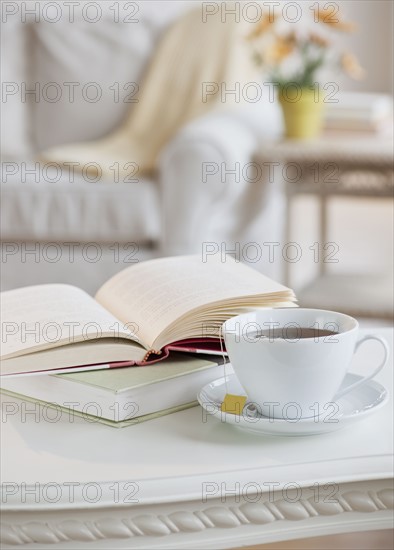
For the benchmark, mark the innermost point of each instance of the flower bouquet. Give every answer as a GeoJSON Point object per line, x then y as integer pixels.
{"type": "Point", "coordinates": [291, 56]}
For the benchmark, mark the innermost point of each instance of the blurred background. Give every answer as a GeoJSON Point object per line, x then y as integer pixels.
{"type": "Point", "coordinates": [132, 130]}
{"type": "Point", "coordinates": [140, 129]}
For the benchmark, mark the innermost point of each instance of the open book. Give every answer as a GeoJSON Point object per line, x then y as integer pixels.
{"type": "Point", "coordinates": [136, 317]}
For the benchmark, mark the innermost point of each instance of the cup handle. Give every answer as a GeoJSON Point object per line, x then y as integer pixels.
{"type": "Point", "coordinates": [375, 372]}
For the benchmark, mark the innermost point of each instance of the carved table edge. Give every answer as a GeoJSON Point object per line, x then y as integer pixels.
{"type": "Point", "coordinates": [213, 515]}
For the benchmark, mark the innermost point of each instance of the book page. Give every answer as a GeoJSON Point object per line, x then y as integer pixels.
{"type": "Point", "coordinates": [79, 354]}
{"type": "Point", "coordinates": [152, 295]}
{"type": "Point", "coordinates": [46, 316]}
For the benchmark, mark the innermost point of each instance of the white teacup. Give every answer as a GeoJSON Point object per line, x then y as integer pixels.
{"type": "Point", "coordinates": [294, 377]}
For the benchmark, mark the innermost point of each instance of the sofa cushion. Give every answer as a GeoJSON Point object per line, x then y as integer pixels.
{"type": "Point", "coordinates": [78, 210]}
{"type": "Point", "coordinates": [89, 72]}
{"type": "Point", "coordinates": [15, 133]}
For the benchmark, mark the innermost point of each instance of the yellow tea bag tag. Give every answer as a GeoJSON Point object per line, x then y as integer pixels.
{"type": "Point", "coordinates": [233, 404]}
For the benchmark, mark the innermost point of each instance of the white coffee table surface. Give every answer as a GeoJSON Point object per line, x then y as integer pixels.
{"type": "Point", "coordinates": [173, 458]}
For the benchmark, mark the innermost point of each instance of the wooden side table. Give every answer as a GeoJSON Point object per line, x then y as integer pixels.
{"type": "Point", "coordinates": [188, 481]}
{"type": "Point", "coordinates": [343, 167]}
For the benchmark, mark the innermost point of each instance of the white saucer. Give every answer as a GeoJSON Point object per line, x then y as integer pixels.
{"type": "Point", "coordinates": [356, 405]}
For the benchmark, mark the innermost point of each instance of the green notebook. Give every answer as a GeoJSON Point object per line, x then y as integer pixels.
{"type": "Point", "coordinates": [123, 396]}
{"type": "Point", "coordinates": [93, 419]}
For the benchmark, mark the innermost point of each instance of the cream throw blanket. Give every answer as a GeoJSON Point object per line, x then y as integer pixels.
{"type": "Point", "coordinates": [191, 54]}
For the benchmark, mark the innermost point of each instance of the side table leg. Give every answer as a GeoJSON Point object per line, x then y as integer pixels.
{"type": "Point", "coordinates": [322, 232]}
{"type": "Point", "coordinates": [287, 265]}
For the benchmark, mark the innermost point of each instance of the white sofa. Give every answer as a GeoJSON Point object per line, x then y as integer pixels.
{"type": "Point", "coordinates": [57, 226]}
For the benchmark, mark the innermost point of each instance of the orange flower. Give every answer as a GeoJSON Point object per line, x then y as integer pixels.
{"type": "Point", "coordinates": [262, 26]}
{"type": "Point", "coordinates": [281, 48]}
{"type": "Point", "coordinates": [318, 40]}
{"type": "Point", "coordinates": [352, 67]}
{"type": "Point", "coordinates": [326, 14]}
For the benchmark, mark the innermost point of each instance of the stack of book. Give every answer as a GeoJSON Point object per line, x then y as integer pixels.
{"type": "Point", "coordinates": [367, 113]}
{"type": "Point", "coordinates": [143, 347]}
{"type": "Point", "coordinates": [122, 396]}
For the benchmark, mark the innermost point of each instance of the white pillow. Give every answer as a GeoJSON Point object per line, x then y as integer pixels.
{"type": "Point", "coordinates": [15, 134]}
{"type": "Point", "coordinates": [105, 60]}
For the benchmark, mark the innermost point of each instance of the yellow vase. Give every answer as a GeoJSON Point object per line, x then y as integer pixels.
{"type": "Point", "coordinates": [303, 111]}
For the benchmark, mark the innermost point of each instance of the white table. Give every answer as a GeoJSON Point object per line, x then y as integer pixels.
{"type": "Point", "coordinates": [336, 165]}
{"type": "Point", "coordinates": [195, 483]}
